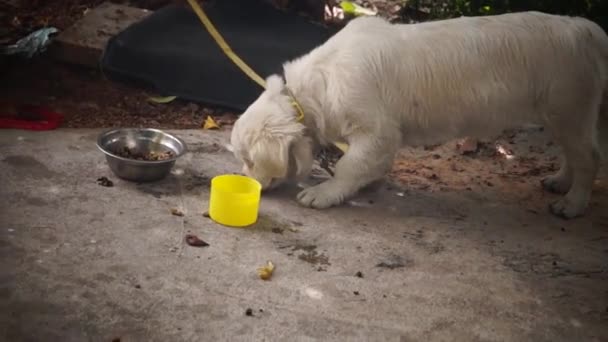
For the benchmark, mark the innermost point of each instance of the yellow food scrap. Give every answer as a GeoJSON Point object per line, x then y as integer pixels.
{"type": "Point", "coordinates": [210, 123]}
{"type": "Point", "coordinates": [266, 272]}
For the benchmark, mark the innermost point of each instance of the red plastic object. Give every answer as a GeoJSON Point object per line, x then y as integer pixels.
{"type": "Point", "coordinates": [43, 119]}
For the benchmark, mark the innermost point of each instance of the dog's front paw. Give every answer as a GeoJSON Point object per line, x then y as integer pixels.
{"type": "Point", "coordinates": [320, 196]}
{"type": "Point", "coordinates": [567, 209]}
{"type": "Point", "coordinates": [556, 183]}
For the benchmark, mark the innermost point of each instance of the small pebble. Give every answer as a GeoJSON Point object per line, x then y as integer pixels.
{"type": "Point", "coordinates": [138, 286]}
{"type": "Point", "coordinates": [206, 214]}
{"type": "Point", "coordinates": [249, 312]}
{"type": "Point", "coordinates": [356, 293]}
{"type": "Point", "coordinates": [176, 212]}
{"type": "Point", "coordinates": [359, 274]}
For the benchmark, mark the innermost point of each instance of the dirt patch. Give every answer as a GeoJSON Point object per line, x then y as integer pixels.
{"type": "Point", "coordinates": [392, 262]}
{"type": "Point", "coordinates": [267, 223]}
{"type": "Point", "coordinates": [545, 264]}
{"type": "Point", "coordinates": [419, 238]}
{"type": "Point", "coordinates": [308, 254]}
{"type": "Point", "coordinates": [311, 255]}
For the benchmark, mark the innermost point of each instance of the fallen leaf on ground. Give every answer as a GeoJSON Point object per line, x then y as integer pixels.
{"type": "Point", "coordinates": [194, 241]}
{"type": "Point", "coordinates": [266, 272]}
{"type": "Point", "coordinates": [210, 123]}
{"type": "Point", "coordinates": [355, 9]}
{"type": "Point", "coordinates": [162, 99]}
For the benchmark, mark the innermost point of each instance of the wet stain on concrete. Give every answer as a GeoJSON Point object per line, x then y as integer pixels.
{"type": "Point", "coordinates": [29, 166]}
{"type": "Point", "coordinates": [36, 202]}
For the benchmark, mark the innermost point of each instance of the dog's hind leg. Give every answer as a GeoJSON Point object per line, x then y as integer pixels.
{"type": "Point", "coordinates": [580, 166]}
{"type": "Point", "coordinates": [367, 160]}
{"type": "Point", "coordinates": [561, 181]}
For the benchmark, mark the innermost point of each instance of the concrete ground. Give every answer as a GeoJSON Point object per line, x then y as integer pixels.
{"type": "Point", "coordinates": [82, 262]}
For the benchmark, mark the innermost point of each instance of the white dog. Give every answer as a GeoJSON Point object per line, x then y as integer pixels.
{"type": "Point", "coordinates": [378, 86]}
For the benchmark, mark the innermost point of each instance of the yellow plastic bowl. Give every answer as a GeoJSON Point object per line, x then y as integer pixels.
{"type": "Point", "coordinates": [234, 200]}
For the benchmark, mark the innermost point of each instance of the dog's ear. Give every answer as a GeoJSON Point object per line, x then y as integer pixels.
{"type": "Point", "coordinates": [275, 84]}
{"type": "Point", "coordinates": [271, 156]}
{"type": "Point", "coordinates": [303, 156]}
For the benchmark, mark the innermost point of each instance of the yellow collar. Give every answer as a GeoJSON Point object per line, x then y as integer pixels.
{"type": "Point", "coordinates": [296, 105]}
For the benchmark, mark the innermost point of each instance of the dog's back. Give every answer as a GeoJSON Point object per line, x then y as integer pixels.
{"type": "Point", "coordinates": [470, 75]}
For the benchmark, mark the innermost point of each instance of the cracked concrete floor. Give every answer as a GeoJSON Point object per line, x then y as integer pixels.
{"type": "Point", "coordinates": [81, 262]}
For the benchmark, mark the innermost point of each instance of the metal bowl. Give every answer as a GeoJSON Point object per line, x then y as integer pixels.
{"type": "Point", "coordinates": [140, 140]}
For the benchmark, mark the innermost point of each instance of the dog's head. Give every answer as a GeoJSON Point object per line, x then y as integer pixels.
{"type": "Point", "coordinates": [269, 141]}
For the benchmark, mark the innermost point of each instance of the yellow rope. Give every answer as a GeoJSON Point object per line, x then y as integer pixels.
{"type": "Point", "coordinates": [241, 64]}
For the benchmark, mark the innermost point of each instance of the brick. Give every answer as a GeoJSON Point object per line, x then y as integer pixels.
{"type": "Point", "coordinates": [84, 42]}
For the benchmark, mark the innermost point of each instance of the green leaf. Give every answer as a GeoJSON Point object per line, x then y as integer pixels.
{"type": "Point", "coordinates": [162, 99]}
{"type": "Point", "coordinates": [354, 9]}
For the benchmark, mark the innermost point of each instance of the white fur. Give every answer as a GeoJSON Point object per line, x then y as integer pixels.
{"type": "Point", "coordinates": [378, 86]}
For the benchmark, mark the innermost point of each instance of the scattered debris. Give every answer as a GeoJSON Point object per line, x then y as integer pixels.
{"type": "Point", "coordinates": [265, 272]}
{"type": "Point", "coordinates": [176, 212]}
{"type": "Point", "coordinates": [210, 123]}
{"type": "Point", "coordinates": [104, 181]}
{"type": "Point", "coordinates": [206, 214]}
{"type": "Point", "coordinates": [194, 241]}
{"type": "Point", "coordinates": [278, 230]}
{"type": "Point", "coordinates": [359, 274]}
{"type": "Point", "coordinates": [467, 146]}
{"type": "Point", "coordinates": [356, 293]}
{"type": "Point", "coordinates": [137, 286]}
{"type": "Point", "coordinates": [126, 152]}
{"type": "Point", "coordinates": [31, 44]}
{"type": "Point", "coordinates": [249, 312]}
